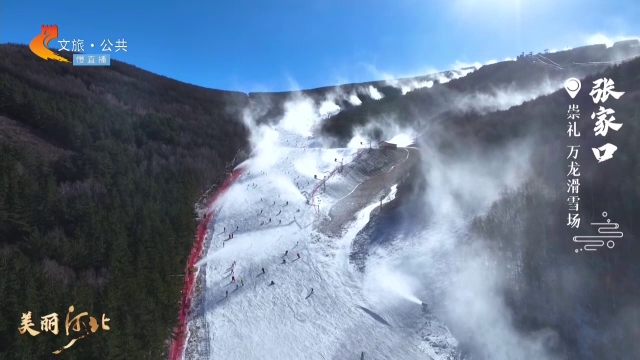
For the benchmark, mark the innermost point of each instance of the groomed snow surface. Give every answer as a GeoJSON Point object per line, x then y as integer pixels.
{"type": "Point", "coordinates": [343, 317]}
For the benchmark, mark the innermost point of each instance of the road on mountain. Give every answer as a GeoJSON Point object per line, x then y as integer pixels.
{"type": "Point", "coordinates": [366, 193]}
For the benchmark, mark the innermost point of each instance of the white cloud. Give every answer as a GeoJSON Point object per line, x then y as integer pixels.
{"type": "Point", "coordinates": [354, 100]}
{"type": "Point", "coordinates": [405, 83]}
{"type": "Point", "coordinates": [375, 94]}
{"type": "Point", "coordinates": [328, 107]}
{"type": "Point", "coordinates": [600, 38]}
{"type": "Point", "coordinates": [459, 65]}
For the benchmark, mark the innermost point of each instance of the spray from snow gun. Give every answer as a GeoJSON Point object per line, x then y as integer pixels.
{"type": "Point", "coordinates": [412, 299]}
{"type": "Point", "coordinates": [397, 283]}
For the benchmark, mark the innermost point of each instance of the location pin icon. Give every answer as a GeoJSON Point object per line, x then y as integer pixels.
{"type": "Point", "coordinates": [572, 85]}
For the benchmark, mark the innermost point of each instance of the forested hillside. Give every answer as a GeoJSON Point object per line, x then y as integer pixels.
{"type": "Point", "coordinates": [100, 169]}
{"type": "Point", "coordinates": [591, 300]}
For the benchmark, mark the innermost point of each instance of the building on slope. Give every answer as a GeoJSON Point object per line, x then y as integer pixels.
{"type": "Point", "coordinates": [387, 145]}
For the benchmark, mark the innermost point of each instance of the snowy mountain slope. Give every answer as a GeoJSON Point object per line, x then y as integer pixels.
{"type": "Point", "coordinates": [277, 205]}
{"type": "Point", "coordinates": [341, 318]}
{"type": "Point", "coordinates": [377, 311]}
{"type": "Point", "coordinates": [274, 208]}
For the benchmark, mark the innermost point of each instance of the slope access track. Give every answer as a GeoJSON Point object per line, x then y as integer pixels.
{"type": "Point", "coordinates": [359, 153]}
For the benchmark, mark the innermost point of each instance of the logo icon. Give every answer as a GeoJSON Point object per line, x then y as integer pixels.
{"type": "Point", "coordinates": [572, 86]}
{"type": "Point", "coordinates": [39, 44]}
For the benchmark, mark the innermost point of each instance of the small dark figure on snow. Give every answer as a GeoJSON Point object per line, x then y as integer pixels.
{"type": "Point", "coordinates": [226, 293]}
{"type": "Point", "coordinates": [263, 270]}
{"type": "Point", "coordinates": [280, 222]}
{"type": "Point", "coordinates": [312, 290]}
{"type": "Point", "coordinates": [269, 219]}
{"type": "Point", "coordinates": [272, 283]}
{"type": "Point", "coordinates": [284, 261]}
{"type": "Point", "coordinates": [237, 286]}
{"type": "Point", "coordinates": [298, 255]}
{"type": "Point", "coordinates": [287, 203]}
{"type": "Point", "coordinates": [224, 229]}
{"type": "Point", "coordinates": [286, 253]}
{"type": "Point", "coordinates": [233, 279]}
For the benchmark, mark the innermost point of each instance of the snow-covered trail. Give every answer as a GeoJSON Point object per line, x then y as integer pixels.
{"type": "Point", "coordinates": [268, 214]}
{"type": "Point", "coordinates": [285, 320]}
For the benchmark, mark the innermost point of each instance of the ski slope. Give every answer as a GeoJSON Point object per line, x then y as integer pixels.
{"type": "Point", "coordinates": [266, 209]}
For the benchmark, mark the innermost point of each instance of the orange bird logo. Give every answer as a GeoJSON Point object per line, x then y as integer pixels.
{"type": "Point", "coordinates": [39, 43]}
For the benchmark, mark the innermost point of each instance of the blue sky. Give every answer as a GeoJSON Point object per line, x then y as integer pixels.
{"type": "Point", "coordinates": [277, 45]}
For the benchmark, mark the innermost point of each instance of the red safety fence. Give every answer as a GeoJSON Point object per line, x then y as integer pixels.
{"type": "Point", "coordinates": [176, 349]}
